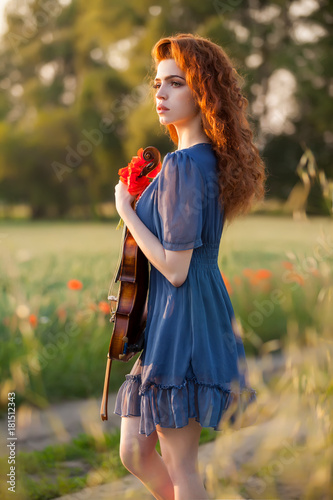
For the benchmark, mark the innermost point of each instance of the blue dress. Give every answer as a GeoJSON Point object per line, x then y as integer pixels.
{"type": "Point", "coordinates": [193, 362]}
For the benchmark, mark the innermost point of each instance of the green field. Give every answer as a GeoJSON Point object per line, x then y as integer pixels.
{"type": "Point", "coordinates": [62, 354]}
{"type": "Point", "coordinates": [54, 342]}
{"type": "Point", "coordinates": [273, 236]}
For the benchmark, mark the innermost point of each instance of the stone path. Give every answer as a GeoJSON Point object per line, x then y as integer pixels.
{"type": "Point", "coordinates": [130, 487]}
{"type": "Point", "coordinates": [36, 429]}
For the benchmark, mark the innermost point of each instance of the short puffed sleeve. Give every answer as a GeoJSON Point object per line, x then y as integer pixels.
{"type": "Point", "coordinates": [180, 202]}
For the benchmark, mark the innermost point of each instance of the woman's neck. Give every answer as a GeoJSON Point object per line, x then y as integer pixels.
{"type": "Point", "coordinates": [192, 142]}
{"type": "Point", "coordinates": [189, 136]}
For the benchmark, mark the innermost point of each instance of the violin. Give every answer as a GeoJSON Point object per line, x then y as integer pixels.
{"type": "Point", "coordinates": [128, 308]}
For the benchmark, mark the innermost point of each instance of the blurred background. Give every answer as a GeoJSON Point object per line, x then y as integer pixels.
{"type": "Point", "coordinates": [75, 106]}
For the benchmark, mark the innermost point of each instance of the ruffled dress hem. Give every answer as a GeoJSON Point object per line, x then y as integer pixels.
{"type": "Point", "coordinates": [172, 406]}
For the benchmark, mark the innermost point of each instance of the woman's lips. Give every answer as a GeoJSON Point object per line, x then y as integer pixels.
{"type": "Point", "coordinates": [161, 109]}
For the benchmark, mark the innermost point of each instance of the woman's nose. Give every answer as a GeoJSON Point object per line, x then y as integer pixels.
{"type": "Point", "coordinates": [160, 93]}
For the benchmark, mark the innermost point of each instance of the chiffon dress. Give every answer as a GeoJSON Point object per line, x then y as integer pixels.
{"type": "Point", "coordinates": [193, 362]}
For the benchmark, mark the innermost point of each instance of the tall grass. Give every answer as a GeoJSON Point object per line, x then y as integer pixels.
{"type": "Point", "coordinates": [288, 453]}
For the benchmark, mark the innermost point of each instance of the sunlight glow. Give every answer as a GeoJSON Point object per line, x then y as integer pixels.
{"type": "Point", "coordinates": [278, 107]}
{"type": "Point", "coordinates": [155, 10]}
{"type": "Point", "coordinates": [303, 8]}
{"type": "Point", "coordinates": [307, 32]}
{"type": "Point", "coordinates": [117, 53]}
{"type": "Point", "coordinates": [47, 72]}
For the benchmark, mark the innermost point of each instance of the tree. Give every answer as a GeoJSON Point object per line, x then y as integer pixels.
{"type": "Point", "coordinates": [75, 102]}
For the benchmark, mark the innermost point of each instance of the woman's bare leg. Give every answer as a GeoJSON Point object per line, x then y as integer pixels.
{"type": "Point", "coordinates": [179, 449]}
{"type": "Point", "coordinates": [139, 456]}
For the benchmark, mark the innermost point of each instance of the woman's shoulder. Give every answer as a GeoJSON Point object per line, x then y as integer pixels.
{"type": "Point", "coordinates": [200, 157]}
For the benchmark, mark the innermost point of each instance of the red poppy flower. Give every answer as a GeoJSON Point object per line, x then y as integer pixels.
{"type": "Point", "coordinates": [263, 274]}
{"type": "Point", "coordinates": [255, 277]}
{"type": "Point", "coordinates": [104, 307]}
{"type": "Point", "coordinates": [74, 284]}
{"type": "Point", "coordinates": [33, 320]}
{"type": "Point", "coordinates": [130, 175]}
{"type": "Point", "coordinates": [227, 283]}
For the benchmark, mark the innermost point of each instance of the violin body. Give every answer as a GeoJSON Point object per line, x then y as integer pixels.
{"type": "Point", "coordinates": [129, 321]}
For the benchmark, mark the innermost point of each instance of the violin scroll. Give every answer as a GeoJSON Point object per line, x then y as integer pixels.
{"type": "Point", "coordinates": [152, 155]}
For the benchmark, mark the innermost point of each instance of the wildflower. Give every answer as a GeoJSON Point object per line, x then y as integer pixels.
{"type": "Point", "coordinates": [130, 175]}
{"type": "Point", "coordinates": [256, 276]}
{"type": "Point", "coordinates": [61, 313]}
{"type": "Point", "coordinates": [227, 283]}
{"type": "Point", "coordinates": [74, 284]}
{"type": "Point", "coordinates": [287, 264]}
{"type": "Point", "coordinates": [33, 320]}
{"type": "Point", "coordinates": [104, 307]}
{"type": "Point", "coordinates": [263, 274]}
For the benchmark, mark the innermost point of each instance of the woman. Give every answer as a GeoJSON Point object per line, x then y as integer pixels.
{"type": "Point", "coordinates": [193, 362]}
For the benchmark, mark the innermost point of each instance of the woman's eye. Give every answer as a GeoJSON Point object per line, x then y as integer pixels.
{"type": "Point", "coordinates": [174, 84]}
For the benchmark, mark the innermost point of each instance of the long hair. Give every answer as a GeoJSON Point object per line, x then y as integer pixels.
{"type": "Point", "coordinates": [215, 87]}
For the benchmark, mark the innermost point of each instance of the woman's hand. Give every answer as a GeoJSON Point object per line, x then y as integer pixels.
{"type": "Point", "coordinates": [123, 198]}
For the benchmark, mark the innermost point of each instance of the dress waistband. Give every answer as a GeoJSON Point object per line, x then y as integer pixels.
{"type": "Point", "coordinates": [206, 254]}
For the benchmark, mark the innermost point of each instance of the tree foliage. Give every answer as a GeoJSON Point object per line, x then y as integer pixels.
{"type": "Point", "coordinates": [75, 101]}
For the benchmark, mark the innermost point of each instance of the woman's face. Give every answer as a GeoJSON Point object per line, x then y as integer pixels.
{"type": "Point", "coordinates": [174, 99]}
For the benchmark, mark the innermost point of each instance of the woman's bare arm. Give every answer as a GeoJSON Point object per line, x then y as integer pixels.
{"type": "Point", "coordinates": [174, 265]}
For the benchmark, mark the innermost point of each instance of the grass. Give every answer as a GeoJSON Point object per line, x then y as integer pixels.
{"type": "Point", "coordinates": [288, 454]}
{"type": "Point", "coordinates": [64, 468]}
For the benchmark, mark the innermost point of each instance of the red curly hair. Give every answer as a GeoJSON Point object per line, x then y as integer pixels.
{"type": "Point", "coordinates": [214, 83]}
